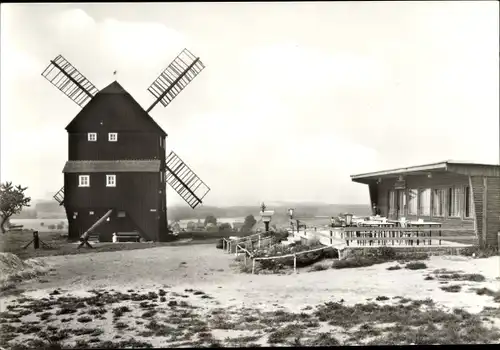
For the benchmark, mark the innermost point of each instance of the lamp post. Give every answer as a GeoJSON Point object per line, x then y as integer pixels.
{"type": "Point", "coordinates": [290, 214]}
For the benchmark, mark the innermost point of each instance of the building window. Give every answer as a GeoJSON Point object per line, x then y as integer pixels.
{"type": "Point", "coordinates": [91, 212]}
{"type": "Point", "coordinates": [467, 202]}
{"type": "Point", "coordinates": [112, 137]}
{"type": "Point", "coordinates": [453, 204]}
{"type": "Point", "coordinates": [392, 203]}
{"type": "Point", "coordinates": [92, 136]}
{"type": "Point", "coordinates": [121, 214]}
{"type": "Point", "coordinates": [84, 181]}
{"type": "Point", "coordinates": [401, 202]}
{"type": "Point", "coordinates": [438, 202]}
{"type": "Point", "coordinates": [110, 180]}
{"type": "Point", "coordinates": [161, 176]}
{"type": "Point", "coordinates": [412, 201]}
{"type": "Point", "coordinates": [425, 202]}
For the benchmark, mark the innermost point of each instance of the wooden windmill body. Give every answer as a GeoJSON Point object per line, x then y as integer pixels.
{"type": "Point", "coordinates": [117, 169]}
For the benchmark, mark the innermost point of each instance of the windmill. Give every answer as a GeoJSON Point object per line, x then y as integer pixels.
{"type": "Point", "coordinates": [170, 82]}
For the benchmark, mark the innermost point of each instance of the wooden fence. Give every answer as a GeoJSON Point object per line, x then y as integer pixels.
{"type": "Point", "coordinates": [399, 235]}
{"type": "Point", "coordinates": [343, 238]}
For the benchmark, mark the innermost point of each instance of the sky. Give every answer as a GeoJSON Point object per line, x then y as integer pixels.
{"type": "Point", "coordinates": [294, 99]}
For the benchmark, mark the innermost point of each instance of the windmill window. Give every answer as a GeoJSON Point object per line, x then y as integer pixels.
{"type": "Point", "coordinates": [84, 181]}
{"type": "Point", "coordinates": [113, 137]}
{"type": "Point", "coordinates": [110, 180]}
{"type": "Point", "coordinates": [121, 214]}
{"type": "Point", "coordinates": [91, 213]}
{"type": "Point", "coordinates": [92, 136]}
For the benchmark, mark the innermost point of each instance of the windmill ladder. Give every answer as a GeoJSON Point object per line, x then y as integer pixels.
{"type": "Point", "coordinates": [85, 236]}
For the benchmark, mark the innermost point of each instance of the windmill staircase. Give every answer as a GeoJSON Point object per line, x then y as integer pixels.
{"type": "Point", "coordinates": [59, 196]}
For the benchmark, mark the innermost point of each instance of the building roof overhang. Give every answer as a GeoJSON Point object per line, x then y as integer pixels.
{"type": "Point", "coordinates": [115, 166]}
{"type": "Point", "coordinates": [457, 167]}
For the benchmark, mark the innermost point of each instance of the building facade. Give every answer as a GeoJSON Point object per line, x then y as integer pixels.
{"type": "Point", "coordinates": [456, 194]}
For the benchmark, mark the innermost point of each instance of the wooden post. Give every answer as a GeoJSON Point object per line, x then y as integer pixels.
{"type": "Point", "coordinates": [36, 240]}
{"type": "Point", "coordinates": [498, 241]}
{"type": "Point", "coordinates": [259, 240]}
{"type": "Point", "coordinates": [236, 254]}
{"type": "Point", "coordinates": [245, 258]}
{"type": "Point", "coordinates": [253, 266]}
{"type": "Point", "coordinates": [439, 237]}
{"type": "Point", "coordinates": [295, 263]}
{"type": "Point", "coordinates": [331, 237]}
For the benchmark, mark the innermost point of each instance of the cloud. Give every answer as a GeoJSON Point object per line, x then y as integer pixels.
{"type": "Point", "coordinates": [291, 68]}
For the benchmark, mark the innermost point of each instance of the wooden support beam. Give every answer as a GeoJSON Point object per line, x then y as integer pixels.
{"type": "Point", "coordinates": [84, 238]}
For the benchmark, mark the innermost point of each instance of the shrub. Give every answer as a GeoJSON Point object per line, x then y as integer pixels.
{"type": "Point", "coordinates": [303, 260]}
{"type": "Point", "coordinates": [356, 261]}
{"type": "Point", "coordinates": [319, 267]}
{"type": "Point", "coordinates": [51, 227]}
{"type": "Point", "coordinates": [479, 253]}
{"type": "Point", "coordinates": [415, 266]}
{"type": "Point", "coordinates": [396, 267]}
{"type": "Point", "coordinates": [387, 253]}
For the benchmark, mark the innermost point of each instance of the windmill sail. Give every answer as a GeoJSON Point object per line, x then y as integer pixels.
{"type": "Point", "coordinates": [183, 69]}
{"type": "Point", "coordinates": [184, 181]}
{"type": "Point", "coordinates": [69, 80]}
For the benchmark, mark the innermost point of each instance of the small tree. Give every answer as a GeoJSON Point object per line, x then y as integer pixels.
{"type": "Point", "coordinates": [191, 225]}
{"type": "Point", "coordinates": [12, 201]}
{"type": "Point", "coordinates": [210, 220]}
{"type": "Point", "coordinates": [225, 226]}
{"type": "Point", "coordinates": [249, 223]}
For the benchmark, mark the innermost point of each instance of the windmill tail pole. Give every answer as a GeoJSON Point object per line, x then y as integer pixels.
{"type": "Point", "coordinates": [97, 223]}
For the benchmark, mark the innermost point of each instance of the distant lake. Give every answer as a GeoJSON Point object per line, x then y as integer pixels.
{"type": "Point", "coordinates": [219, 220]}
{"type": "Point", "coordinates": [35, 224]}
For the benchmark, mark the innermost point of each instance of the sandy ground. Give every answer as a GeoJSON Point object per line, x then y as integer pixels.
{"type": "Point", "coordinates": [205, 268]}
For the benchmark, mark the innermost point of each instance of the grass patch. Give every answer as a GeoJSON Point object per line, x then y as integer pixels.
{"type": "Point", "coordinates": [472, 277]}
{"type": "Point", "coordinates": [319, 267]}
{"type": "Point", "coordinates": [416, 266]}
{"type": "Point", "coordinates": [84, 319]}
{"type": "Point", "coordinates": [324, 339]}
{"type": "Point", "coordinates": [452, 289]}
{"type": "Point", "coordinates": [12, 242]}
{"type": "Point", "coordinates": [283, 334]}
{"type": "Point", "coordinates": [489, 292]}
